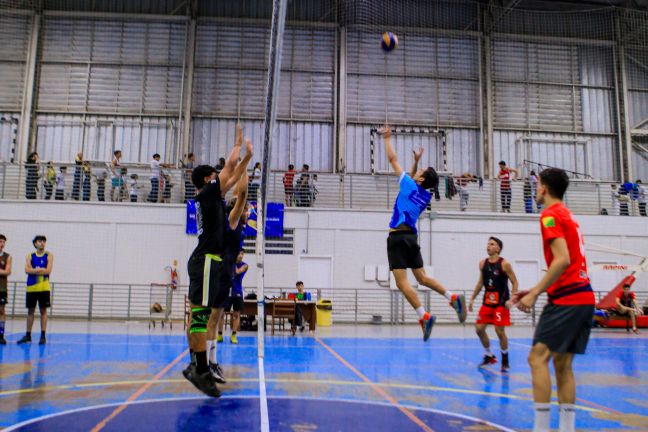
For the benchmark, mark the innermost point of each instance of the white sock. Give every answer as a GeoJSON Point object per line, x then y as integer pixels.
{"type": "Point", "coordinates": [420, 311]}
{"type": "Point", "coordinates": [567, 418]}
{"type": "Point", "coordinates": [504, 352]}
{"type": "Point", "coordinates": [448, 295]}
{"type": "Point", "coordinates": [212, 351]}
{"type": "Point", "coordinates": [488, 352]}
{"type": "Point", "coordinates": [542, 417]}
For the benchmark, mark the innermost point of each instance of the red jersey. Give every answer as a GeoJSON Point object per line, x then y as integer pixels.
{"type": "Point", "coordinates": [288, 179]}
{"type": "Point", "coordinates": [627, 301]}
{"type": "Point", "coordinates": [573, 286]}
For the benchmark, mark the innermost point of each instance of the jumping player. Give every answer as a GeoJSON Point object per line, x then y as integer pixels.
{"type": "Point", "coordinates": [5, 271]}
{"type": "Point", "coordinates": [494, 275]}
{"type": "Point", "coordinates": [564, 326]}
{"type": "Point", "coordinates": [403, 251]}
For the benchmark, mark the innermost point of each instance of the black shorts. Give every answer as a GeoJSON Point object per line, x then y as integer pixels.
{"type": "Point", "coordinates": [565, 329]}
{"type": "Point", "coordinates": [234, 303]}
{"type": "Point", "coordinates": [209, 282]}
{"type": "Point", "coordinates": [3, 298]}
{"type": "Point", "coordinates": [403, 251]}
{"type": "Point", "coordinates": [40, 297]}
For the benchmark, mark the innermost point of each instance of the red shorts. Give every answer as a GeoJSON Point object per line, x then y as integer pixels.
{"type": "Point", "coordinates": [499, 316]}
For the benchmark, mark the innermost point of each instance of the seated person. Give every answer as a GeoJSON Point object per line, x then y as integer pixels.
{"type": "Point", "coordinates": [626, 305]}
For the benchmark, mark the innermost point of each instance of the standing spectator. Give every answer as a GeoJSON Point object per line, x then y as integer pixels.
{"type": "Point", "coordinates": [505, 176]}
{"type": "Point", "coordinates": [303, 187]}
{"type": "Point", "coordinates": [527, 195]}
{"type": "Point", "coordinates": [50, 180]}
{"type": "Point", "coordinates": [38, 266]}
{"type": "Point", "coordinates": [60, 184]}
{"type": "Point", "coordinates": [641, 197]}
{"type": "Point", "coordinates": [624, 199]}
{"type": "Point", "coordinates": [78, 176]}
{"type": "Point", "coordinates": [168, 184]}
{"type": "Point", "coordinates": [187, 164]}
{"type": "Point", "coordinates": [156, 176]}
{"type": "Point", "coordinates": [533, 178]}
{"type": "Point", "coordinates": [462, 186]}
{"type": "Point", "coordinates": [614, 194]}
{"type": "Point", "coordinates": [289, 184]}
{"type": "Point", "coordinates": [220, 165]}
{"type": "Point", "coordinates": [5, 271]}
{"type": "Point", "coordinates": [101, 186]}
{"type": "Point", "coordinates": [134, 187]}
{"type": "Point", "coordinates": [115, 169]}
{"type": "Point", "coordinates": [31, 180]}
{"type": "Point", "coordinates": [87, 177]}
{"type": "Point", "coordinates": [255, 181]}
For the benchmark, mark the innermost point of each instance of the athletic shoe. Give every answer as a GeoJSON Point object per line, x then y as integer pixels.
{"type": "Point", "coordinates": [635, 331]}
{"type": "Point", "coordinates": [217, 373]}
{"type": "Point", "coordinates": [205, 382]}
{"type": "Point", "coordinates": [233, 339]}
{"type": "Point", "coordinates": [219, 339]}
{"type": "Point", "coordinates": [458, 302]}
{"type": "Point", "coordinates": [301, 329]}
{"type": "Point", "coordinates": [24, 339]}
{"type": "Point", "coordinates": [427, 322]}
{"type": "Point", "coordinates": [488, 360]}
{"type": "Point", "coordinates": [42, 340]}
{"type": "Point", "coordinates": [505, 363]}
{"type": "Point", "coordinates": [3, 341]}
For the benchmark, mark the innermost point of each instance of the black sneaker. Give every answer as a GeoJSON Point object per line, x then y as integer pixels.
{"type": "Point", "coordinates": [205, 382]}
{"type": "Point", "coordinates": [25, 339]}
{"type": "Point", "coordinates": [488, 360]}
{"type": "Point", "coordinates": [42, 340]}
{"type": "Point", "coordinates": [505, 363]}
{"type": "Point", "coordinates": [3, 341]}
{"type": "Point", "coordinates": [217, 373]}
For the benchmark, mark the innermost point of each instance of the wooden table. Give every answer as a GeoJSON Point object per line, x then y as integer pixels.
{"type": "Point", "coordinates": [307, 308]}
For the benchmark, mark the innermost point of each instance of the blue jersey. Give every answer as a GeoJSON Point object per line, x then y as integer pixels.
{"type": "Point", "coordinates": [37, 283]}
{"type": "Point", "coordinates": [412, 199]}
{"type": "Point", "coordinates": [237, 281]}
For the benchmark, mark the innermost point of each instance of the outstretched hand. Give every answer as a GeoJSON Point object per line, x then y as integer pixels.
{"type": "Point", "coordinates": [417, 155]}
{"type": "Point", "coordinates": [239, 134]}
{"type": "Point", "coordinates": [385, 131]}
{"type": "Point", "coordinates": [249, 148]}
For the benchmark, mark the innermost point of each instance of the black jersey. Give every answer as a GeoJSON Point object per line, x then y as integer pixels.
{"type": "Point", "coordinates": [210, 219]}
{"type": "Point", "coordinates": [233, 244]}
{"type": "Point", "coordinates": [496, 283]}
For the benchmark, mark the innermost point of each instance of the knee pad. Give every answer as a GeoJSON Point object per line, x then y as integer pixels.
{"type": "Point", "coordinates": [199, 319]}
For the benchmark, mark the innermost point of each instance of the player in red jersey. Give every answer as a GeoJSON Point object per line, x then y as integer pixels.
{"type": "Point", "coordinates": [564, 326]}
{"type": "Point", "coordinates": [626, 304]}
{"type": "Point", "coordinates": [494, 275]}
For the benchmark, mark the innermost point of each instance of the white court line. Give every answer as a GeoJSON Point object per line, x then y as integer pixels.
{"type": "Point", "coordinates": [263, 398]}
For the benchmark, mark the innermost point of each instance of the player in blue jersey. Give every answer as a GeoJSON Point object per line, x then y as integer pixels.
{"type": "Point", "coordinates": [403, 251]}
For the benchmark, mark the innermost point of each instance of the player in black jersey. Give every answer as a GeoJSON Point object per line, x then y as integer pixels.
{"type": "Point", "coordinates": [209, 281]}
{"type": "Point", "coordinates": [494, 275]}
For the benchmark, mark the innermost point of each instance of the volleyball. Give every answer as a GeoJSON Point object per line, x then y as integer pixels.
{"type": "Point", "coordinates": [389, 41]}
{"type": "Point", "coordinates": [156, 307]}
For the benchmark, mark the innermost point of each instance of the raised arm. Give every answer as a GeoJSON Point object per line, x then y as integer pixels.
{"type": "Point", "coordinates": [417, 158]}
{"type": "Point", "coordinates": [240, 169]}
{"type": "Point", "coordinates": [232, 159]}
{"type": "Point", "coordinates": [389, 150]}
{"type": "Point", "coordinates": [241, 201]}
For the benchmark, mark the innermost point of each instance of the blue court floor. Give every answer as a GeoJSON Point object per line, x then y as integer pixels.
{"type": "Point", "coordinates": [117, 377]}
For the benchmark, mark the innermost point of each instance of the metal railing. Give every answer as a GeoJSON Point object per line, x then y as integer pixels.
{"type": "Point", "coordinates": [350, 305]}
{"type": "Point", "coordinates": [325, 190]}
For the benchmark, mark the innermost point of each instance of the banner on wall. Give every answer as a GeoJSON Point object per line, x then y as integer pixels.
{"type": "Point", "coordinates": [274, 220]}
{"type": "Point", "coordinates": [192, 225]}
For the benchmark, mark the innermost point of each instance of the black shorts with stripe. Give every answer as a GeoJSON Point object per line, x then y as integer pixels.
{"type": "Point", "coordinates": [209, 282]}
{"type": "Point", "coordinates": [565, 328]}
{"type": "Point", "coordinates": [403, 250]}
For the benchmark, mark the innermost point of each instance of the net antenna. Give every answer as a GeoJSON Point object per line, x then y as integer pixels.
{"type": "Point", "coordinates": [272, 89]}
{"type": "Point", "coordinates": [434, 141]}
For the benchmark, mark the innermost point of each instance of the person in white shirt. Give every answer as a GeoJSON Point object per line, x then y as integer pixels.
{"type": "Point", "coordinates": [155, 177]}
{"type": "Point", "coordinates": [60, 184]}
{"type": "Point", "coordinates": [614, 194]}
{"type": "Point", "coordinates": [133, 187]}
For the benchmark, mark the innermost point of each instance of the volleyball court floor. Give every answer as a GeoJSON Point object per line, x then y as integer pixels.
{"type": "Point", "coordinates": [120, 377]}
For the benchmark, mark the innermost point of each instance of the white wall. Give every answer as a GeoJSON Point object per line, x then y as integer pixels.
{"type": "Point", "coordinates": [117, 243]}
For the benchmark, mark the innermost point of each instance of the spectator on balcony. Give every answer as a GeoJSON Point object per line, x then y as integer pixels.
{"type": "Point", "coordinates": [78, 176]}
{"type": "Point", "coordinates": [101, 186]}
{"type": "Point", "coordinates": [614, 195]}
{"type": "Point", "coordinates": [462, 187]}
{"type": "Point", "coordinates": [505, 176]}
{"type": "Point", "coordinates": [87, 177]}
{"type": "Point", "coordinates": [168, 184]}
{"type": "Point", "coordinates": [302, 188]}
{"type": "Point", "coordinates": [156, 177]}
{"type": "Point", "coordinates": [289, 184]}
{"type": "Point", "coordinates": [60, 184]}
{"type": "Point", "coordinates": [641, 197]}
{"type": "Point", "coordinates": [134, 187]}
{"type": "Point", "coordinates": [116, 180]}
{"type": "Point", "coordinates": [527, 194]}
{"type": "Point", "coordinates": [624, 199]}
{"type": "Point", "coordinates": [187, 165]}
{"type": "Point", "coordinates": [32, 167]}
{"type": "Point", "coordinates": [255, 182]}
{"type": "Point", "coordinates": [49, 181]}
{"type": "Point", "coordinates": [533, 178]}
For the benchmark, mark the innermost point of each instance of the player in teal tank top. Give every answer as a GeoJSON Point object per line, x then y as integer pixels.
{"type": "Point", "coordinates": [403, 251]}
